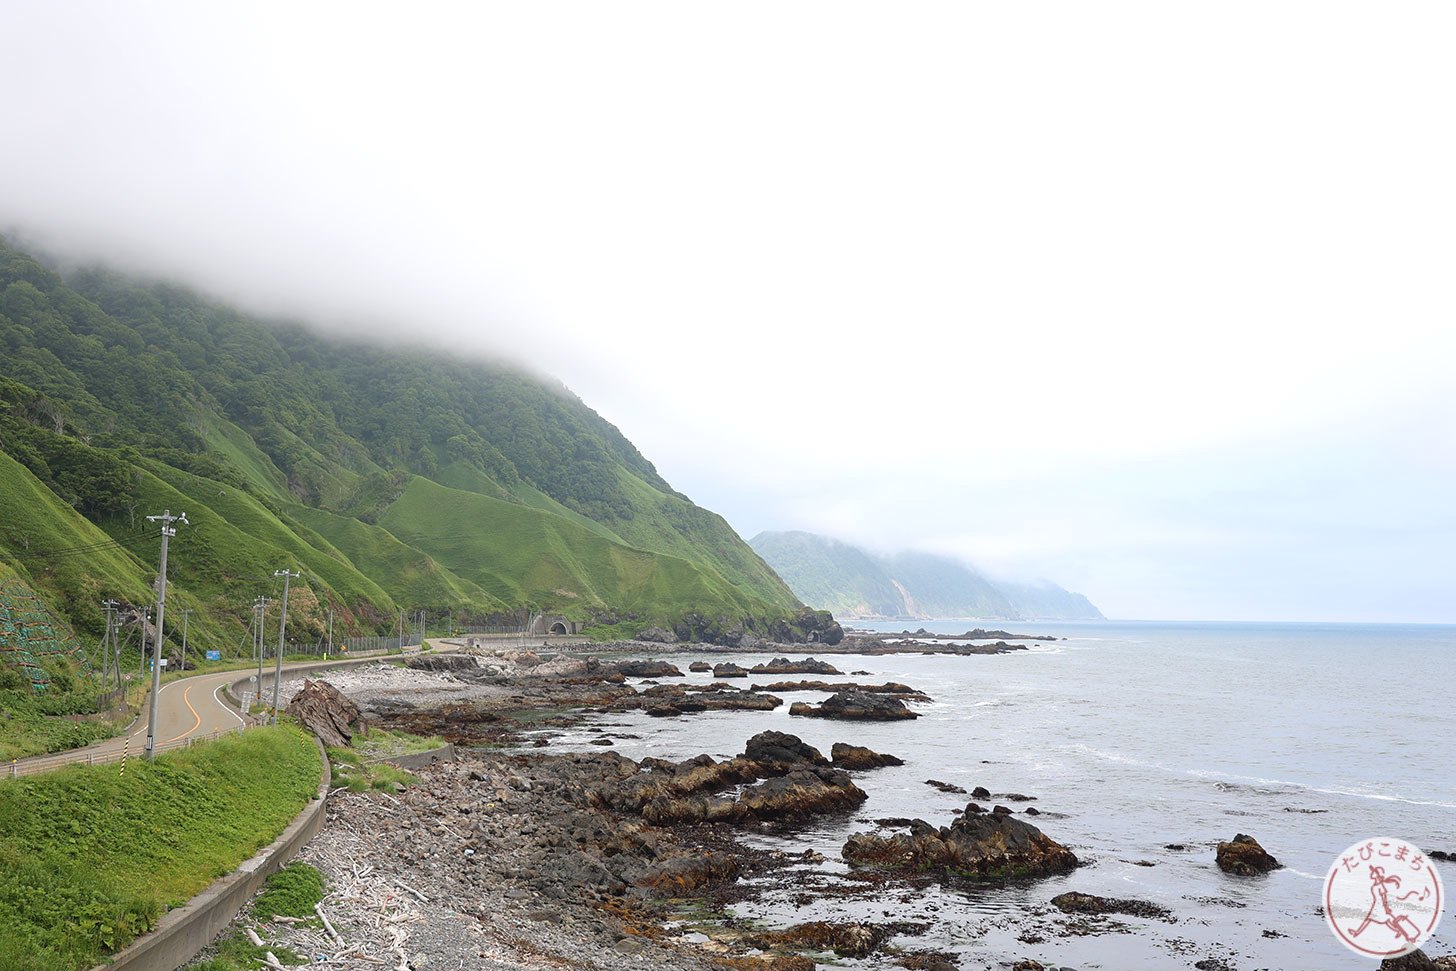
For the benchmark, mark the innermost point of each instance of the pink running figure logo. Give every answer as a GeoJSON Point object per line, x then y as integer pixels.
{"type": "Point", "coordinates": [1382, 898]}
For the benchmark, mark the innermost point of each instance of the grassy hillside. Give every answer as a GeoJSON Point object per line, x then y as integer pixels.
{"type": "Point", "coordinates": [528, 555]}
{"type": "Point", "coordinates": [394, 479]}
{"type": "Point", "coordinates": [90, 858]}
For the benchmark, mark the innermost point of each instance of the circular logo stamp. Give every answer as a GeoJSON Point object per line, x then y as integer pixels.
{"type": "Point", "coordinates": [1383, 897]}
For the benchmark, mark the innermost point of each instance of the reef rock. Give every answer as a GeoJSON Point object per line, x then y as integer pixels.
{"type": "Point", "coordinates": [977, 844]}
{"type": "Point", "coordinates": [856, 706]}
{"type": "Point", "coordinates": [1244, 857]}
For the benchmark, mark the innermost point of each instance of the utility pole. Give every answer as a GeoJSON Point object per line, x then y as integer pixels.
{"type": "Point", "coordinates": [185, 614]}
{"type": "Point", "coordinates": [168, 531]}
{"type": "Point", "coordinates": [282, 626]}
{"type": "Point", "coordinates": [260, 606]}
{"type": "Point", "coordinates": [146, 622]}
{"type": "Point", "coordinates": [330, 648]}
{"type": "Point", "coordinates": [401, 630]}
{"type": "Point", "coordinates": [106, 645]}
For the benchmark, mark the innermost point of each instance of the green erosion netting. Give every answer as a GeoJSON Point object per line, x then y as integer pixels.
{"type": "Point", "coordinates": [30, 633]}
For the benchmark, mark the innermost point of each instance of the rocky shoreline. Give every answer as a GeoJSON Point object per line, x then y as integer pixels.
{"type": "Point", "coordinates": [519, 856]}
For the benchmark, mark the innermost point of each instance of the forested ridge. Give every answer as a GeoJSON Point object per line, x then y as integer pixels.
{"type": "Point", "coordinates": [397, 479]}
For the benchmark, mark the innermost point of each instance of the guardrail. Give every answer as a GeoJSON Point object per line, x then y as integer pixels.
{"type": "Point", "coordinates": [36, 766]}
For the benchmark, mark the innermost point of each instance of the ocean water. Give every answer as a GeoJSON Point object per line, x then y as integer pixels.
{"type": "Point", "coordinates": [1134, 736]}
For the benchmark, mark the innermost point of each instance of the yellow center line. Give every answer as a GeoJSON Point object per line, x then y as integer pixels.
{"type": "Point", "coordinates": [188, 702]}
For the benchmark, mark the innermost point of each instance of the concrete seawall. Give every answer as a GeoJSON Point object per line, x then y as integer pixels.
{"type": "Point", "coordinates": [182, 933]}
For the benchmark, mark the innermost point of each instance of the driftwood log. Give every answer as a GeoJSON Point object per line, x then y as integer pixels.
{"type": "Point", "coordinates": [327, 712]}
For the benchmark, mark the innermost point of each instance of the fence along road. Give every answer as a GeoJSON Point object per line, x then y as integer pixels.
{"type": "Point", "coordinates": [188, 710]}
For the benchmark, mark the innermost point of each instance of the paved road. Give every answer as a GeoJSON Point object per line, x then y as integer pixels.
{"type": "Point", "coordinates": [187, 709]}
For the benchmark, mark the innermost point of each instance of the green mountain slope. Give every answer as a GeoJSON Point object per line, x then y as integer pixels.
{"type": "Point", "coordinates": [836, 576]}
{"type": "Point", "coordinates": [394, 479]}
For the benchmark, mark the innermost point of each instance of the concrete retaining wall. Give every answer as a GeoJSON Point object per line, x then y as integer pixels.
{"type": "Point", "coordinates": [419, 760]}
{"type": "Point", "coordinates": [182, 933]}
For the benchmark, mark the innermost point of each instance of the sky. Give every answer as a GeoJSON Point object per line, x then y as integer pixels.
{"type": "Point", "coordinates": [1153, 300]}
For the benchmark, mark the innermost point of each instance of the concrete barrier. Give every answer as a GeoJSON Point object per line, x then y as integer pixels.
{"type": "Point", "coordinates": [181, 934]}
{"type": "Point", "coordinates": [419, 760]}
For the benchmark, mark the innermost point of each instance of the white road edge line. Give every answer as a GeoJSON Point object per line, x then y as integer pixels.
{"type": "Point", "coordinates": [226, 706]}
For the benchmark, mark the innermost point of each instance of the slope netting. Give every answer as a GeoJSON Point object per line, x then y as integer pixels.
{"type": "Point", "coordinates": [30, 633]}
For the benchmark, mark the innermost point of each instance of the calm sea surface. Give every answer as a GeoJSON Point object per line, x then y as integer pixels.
{"type": "Point", "coordinates": [1134, 736]}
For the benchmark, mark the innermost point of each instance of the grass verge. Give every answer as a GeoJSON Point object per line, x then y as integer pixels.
{"type": "Point", "coordinates": [91, 857]}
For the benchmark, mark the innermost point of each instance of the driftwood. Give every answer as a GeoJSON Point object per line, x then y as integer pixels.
{"type": "Point", "coordinates": [326, 711]}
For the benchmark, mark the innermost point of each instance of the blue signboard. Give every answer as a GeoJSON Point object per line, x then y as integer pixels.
{"type": "Point", "coordinates": [214, 655]}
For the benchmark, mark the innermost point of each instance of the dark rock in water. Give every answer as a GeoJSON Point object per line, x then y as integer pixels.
{"type": "Point", "coordinates": [1000, 810]}
{"type": "Point", "coordinates": [857, 757]}
{"type": "Point", "coordinates": [648, 669]}
{"type": "Point", "coordinates": [893, 822]}
{"type": "Point", "coordinates": [985, 845]}
{"type": "Point", "coordinates": [905, 692]}
{"type": "Point", "coordinates": [980, 792]}
{"type": "Point", "coordinates": [1180, 847]}
{"type": "Point", "coordinates": [656, 635]}
{"type": "Point", "coordinates": [700, 666]}
{"type": "Point", "coordinates": [1443, 856]}
{"type": "Point", "coordinates": [782, 665]}
{"type": "Point", "coordinates": [1033, 811]}
{"type": "Point", "coordinates": [1418, 960]}
{"type": "Point", "coordinates": [691, 698]}
{"type": "Point", "coordinates": [861, 674]}
{"type": "Point", "coordinates": [800, 794]}
{"type": "Point", "coordinates": [778, 752]}
{"type": "Point", "coordinates": [947, 787]}
{"type": "Point", "coordinates": [729, 670]}
{"type": "Point", "coordinates": [856, 706]}
{"type": "Point", "coordinates": [1214, 964]}
{"type": "Point", "coordinates": [1017, 797]}
{"type": "Point", "coordinates": [1086, 903]}
{"type": "Point", "coordinates": [1245, 857]}
{"type": "Point", "coordinates": [442, 662]}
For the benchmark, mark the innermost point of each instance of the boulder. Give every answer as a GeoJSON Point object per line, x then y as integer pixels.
{"type": "Point", "coordinates": [1418, 960]}
{"type": "Point", "coordinates": [729, 670]}
{"type": "Point", "coordinates": [657, 635]}
{"type": "Point", "coordinates": [782, 665]}
{"type": "Point", "coordinates": [857, 757]}
{"type": "Point", "coordinates": [1244, 857]}
{"type": "Point", "coordinates": [779, 752]}
{"type": "Point", "coordinates": [980, 792]}
{"type": "Point", "coordinates": [981, 845]}
{"type": "Point", "coordinates": [700, 666]}
{"type": "Point", "coordinates": [948, 787]}
{"type": "Point", "coordinates": [1086, 903]}
{"type": "Point", "coordinates": [847, 940]}
{"type": "Point", "coordinates": [326, 711]}
{"type": "Point", "coordinates": [648, 669]}
{"type": "Point", "coordinates": [856, 706]}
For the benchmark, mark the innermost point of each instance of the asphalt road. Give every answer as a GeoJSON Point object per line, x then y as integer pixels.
{"type": "Point", "coordinates": [188, 708]}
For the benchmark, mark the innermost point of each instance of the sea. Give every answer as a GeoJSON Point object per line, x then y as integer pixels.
{"type": "Point", "coordinates": [1144, 745]}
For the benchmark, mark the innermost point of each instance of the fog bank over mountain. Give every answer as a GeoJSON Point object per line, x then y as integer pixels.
{"type": "Point", "coordinates": [832, 575]}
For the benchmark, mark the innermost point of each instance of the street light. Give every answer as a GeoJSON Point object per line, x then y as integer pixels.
{"type": "Point", "coordinates": [282, 626]}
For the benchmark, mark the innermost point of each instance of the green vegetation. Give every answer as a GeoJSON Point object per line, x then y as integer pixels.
{"type": "Point", "coordinates": [383, 743]}
{"type": "Point", "coordinates": [291, 892]}
{"type": "Point", "coordinates": [91, 857]}
{"type": "Point", "coordinates": [237, 953]}
{"type": "Point", "coordinates": [395, 480]}
{"type": "Point", "coordinates": [352, 770]}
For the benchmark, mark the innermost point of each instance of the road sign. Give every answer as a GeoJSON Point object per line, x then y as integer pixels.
{"type": "Point", "coordinates": [213, 655]}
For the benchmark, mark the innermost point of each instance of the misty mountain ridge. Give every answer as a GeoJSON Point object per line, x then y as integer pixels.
{"type": "Point", "coordinates": [851, 582]}
{"type": "Point", "coordinates": [396, 479]}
